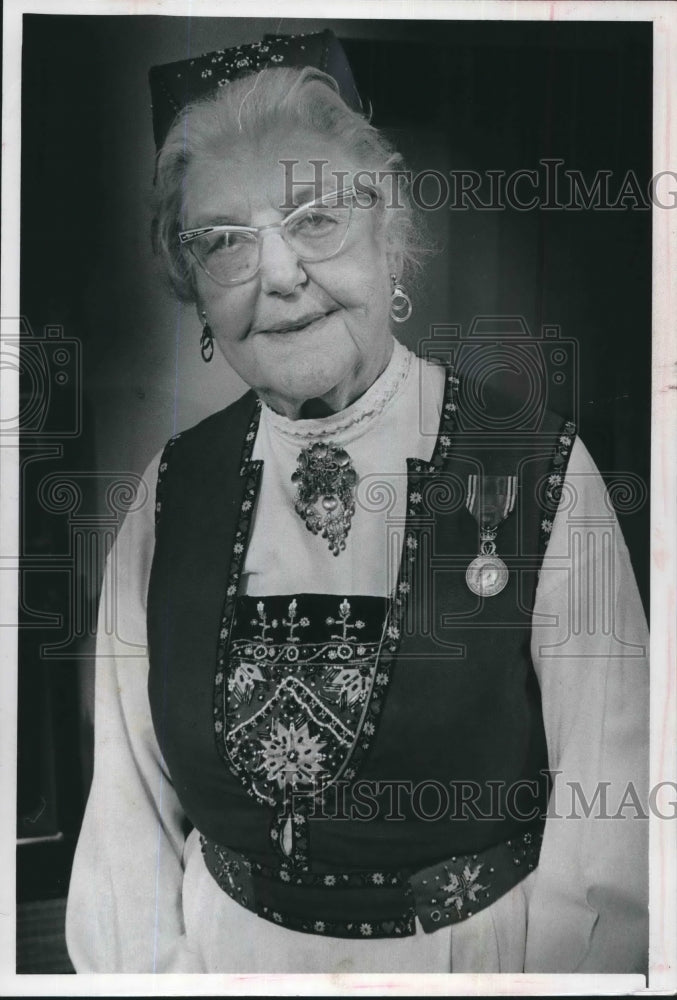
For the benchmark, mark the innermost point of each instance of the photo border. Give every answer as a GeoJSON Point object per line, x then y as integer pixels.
{"type": "Point", "coordinates": [663, 620]}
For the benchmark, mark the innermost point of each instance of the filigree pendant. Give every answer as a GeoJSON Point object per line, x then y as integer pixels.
{"type": "Point", "coordinates": [325, 495]}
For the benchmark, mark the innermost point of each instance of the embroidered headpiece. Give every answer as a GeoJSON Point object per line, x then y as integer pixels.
{"type": "Point", "coordinates": [174, 85]}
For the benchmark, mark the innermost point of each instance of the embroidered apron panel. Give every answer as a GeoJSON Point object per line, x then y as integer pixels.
{"type": "Point", "coordinates": [300, 673]}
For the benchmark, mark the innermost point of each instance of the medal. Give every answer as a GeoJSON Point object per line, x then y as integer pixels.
{"type": "Point", "coordinates": [490, 499]}
{"type": "Point", "coordinates": [486, 575]}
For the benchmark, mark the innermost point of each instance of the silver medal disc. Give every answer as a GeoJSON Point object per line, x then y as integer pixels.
{"type": "Point", "coordinates": [486, 576]}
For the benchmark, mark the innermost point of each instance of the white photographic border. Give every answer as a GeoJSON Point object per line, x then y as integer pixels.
{"type": "Point", "coordinates": [663, 833]}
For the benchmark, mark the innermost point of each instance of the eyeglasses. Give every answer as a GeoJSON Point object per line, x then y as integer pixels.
{"type": "Point", "coordinates": [316, 231]}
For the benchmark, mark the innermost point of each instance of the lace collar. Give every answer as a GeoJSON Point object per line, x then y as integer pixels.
{"type": "Point", "coordinates": [359, 416]}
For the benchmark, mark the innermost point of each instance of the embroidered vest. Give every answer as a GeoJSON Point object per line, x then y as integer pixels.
{"type": "Point", "coordinates": [439, 754]}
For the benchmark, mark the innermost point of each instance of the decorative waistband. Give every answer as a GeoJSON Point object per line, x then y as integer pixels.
{"type": "Point", "coordinates": [376, 904]}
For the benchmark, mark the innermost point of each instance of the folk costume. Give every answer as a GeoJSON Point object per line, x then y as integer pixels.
{"type": "Point", "coordinates": [342, 761]}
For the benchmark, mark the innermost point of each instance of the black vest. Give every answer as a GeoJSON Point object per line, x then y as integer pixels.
{"type": "Point", "coordinates": [455, 703]}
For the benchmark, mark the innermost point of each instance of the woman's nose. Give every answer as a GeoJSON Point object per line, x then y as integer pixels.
{"type": "Point", "coordinates": [281, 270]}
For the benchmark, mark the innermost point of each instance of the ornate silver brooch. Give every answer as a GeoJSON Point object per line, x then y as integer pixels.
{"type": "Point", "coordinates": [325, 494]}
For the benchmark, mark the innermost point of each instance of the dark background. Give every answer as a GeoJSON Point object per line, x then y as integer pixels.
{"type": "Point", "coordinates": [453, 95]}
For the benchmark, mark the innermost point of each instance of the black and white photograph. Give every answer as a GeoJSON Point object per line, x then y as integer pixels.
{"type": "Point", "coordinates": [339, 492]}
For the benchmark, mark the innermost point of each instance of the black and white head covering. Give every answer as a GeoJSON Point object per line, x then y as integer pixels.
{"type": "Point", "coordinates": [174, 85]}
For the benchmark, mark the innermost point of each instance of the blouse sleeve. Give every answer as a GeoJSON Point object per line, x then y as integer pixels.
{"type": "Point", "coordinates": [588, 911]}
{"type": "Point", "coordinates": [124, 910]}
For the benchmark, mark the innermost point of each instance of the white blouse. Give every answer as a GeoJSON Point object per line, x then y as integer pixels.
{"type": "Point", "coordinates": [141, 898]}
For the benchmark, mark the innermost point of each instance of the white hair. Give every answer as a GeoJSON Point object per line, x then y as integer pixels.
{"type": "Point", "coordinates": [244, 111]}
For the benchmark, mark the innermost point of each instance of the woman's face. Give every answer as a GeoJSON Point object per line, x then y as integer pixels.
{"type": "Point", "coordinates": [296, 330]}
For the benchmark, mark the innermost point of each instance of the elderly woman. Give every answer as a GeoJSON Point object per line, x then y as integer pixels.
{"type": "Point", "coordinates": [339, 754]}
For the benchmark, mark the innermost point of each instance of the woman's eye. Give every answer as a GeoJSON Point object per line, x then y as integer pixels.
{"type": "Point", "coordinates": [316, 222]}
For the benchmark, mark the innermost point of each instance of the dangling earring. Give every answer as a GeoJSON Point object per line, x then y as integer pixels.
{"type": "Point", "coordinates": [400, 303]}
{"type": "Point", "coordinates": [206, 340]}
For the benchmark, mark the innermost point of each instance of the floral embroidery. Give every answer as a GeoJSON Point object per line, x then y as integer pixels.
{"type": "Point", "coordinates": [290, 755]}
{"type": "Point", "coordinates": [160, 486]}
{"type": "Point", "coordinates": [463, 887]}
{"type": "Point", "coordinates": [262, 622]}
{"type": "Point", "coordinates": [291, 622]}
{"type": "Point", "coordinates": [403, 926]}
{"type": "Point", "coordinates": [245, 677]}
{"type": "Point", "coordinates": [351, 685]}
{"type": "Point", "coordinates": [250, 471]}
{"type": "Point", "coordinates": [343, 622]}
{"type": "Point", "coordinates": [555, 481]}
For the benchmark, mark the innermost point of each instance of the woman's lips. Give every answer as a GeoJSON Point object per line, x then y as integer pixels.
{"type": "Point", "coordinates": [300, 324]}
